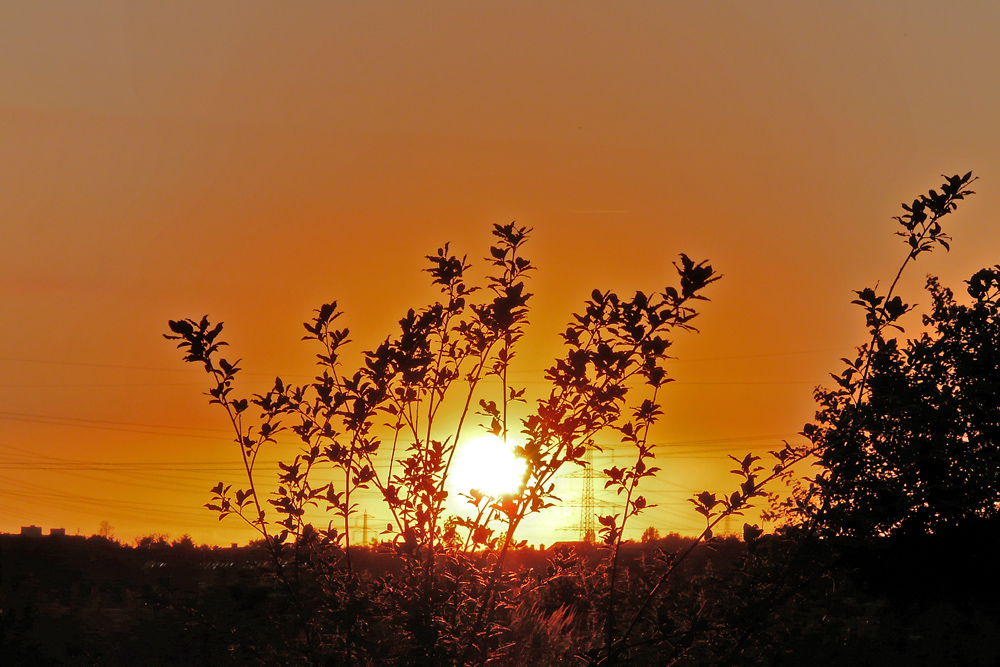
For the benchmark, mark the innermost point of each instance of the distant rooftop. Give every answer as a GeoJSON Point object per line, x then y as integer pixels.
{"type": "Point", "coordinates": [36, 531]}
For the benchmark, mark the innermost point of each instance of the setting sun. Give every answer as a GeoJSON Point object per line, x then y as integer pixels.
{"type": "Point", "coordinates": [488, 464]}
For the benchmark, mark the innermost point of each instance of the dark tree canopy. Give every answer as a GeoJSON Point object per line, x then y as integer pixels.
{"type": "Point", "coordinates": [921, 452]}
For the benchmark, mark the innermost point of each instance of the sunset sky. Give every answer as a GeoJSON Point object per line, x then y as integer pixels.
{"type": "Point", "coordinates": [251, 161]}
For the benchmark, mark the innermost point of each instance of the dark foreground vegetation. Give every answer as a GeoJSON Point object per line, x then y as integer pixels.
{"type": "Point", "coordinates": [886, 511]}
{"type": "Point", "coordinates": [912, 601]}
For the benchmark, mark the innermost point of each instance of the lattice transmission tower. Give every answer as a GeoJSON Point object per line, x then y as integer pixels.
{"type": "Point", "coordinates": [362, 528]}
{"type": "Point", "coordinates": [587, 533]}
{"type": "Point", "coordinates": [587, 502]}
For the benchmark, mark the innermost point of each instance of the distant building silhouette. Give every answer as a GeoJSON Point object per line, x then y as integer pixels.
{"type": "Point", "coordinates": [31, 531]}
{"type": "Point", "coordinates": [59, 532]}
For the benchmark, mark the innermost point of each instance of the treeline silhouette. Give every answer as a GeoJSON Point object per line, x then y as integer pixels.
{"type": "Point", "coordinates": [71, 600]}
{"type": "Point", "coordinates": [927, 600]}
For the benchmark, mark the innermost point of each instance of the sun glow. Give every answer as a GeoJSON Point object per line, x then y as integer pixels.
{"type": "Point", "coordinates": [488, 464]}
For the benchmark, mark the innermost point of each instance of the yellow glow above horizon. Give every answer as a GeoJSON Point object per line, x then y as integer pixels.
{"type": "Point", "coordinates": [488, 464]}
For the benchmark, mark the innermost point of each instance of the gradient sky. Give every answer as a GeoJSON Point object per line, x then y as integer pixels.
{"type": "Point", "coordinates": [254, 160]}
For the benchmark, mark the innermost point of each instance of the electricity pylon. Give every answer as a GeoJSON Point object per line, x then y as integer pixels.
{"type": "Point", "coordinates": [587, 533]}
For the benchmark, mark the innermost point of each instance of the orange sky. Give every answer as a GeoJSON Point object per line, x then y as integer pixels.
{"type": "Point", "coordinates": [254, 160]}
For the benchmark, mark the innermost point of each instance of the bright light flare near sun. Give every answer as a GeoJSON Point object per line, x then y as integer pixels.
{"type": "Point", "coordinates": [488, 464]}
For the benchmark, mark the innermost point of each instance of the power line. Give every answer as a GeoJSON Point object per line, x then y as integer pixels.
{"type": "Point", "coordinates": [22, 385]}
{"type": "Point", "coordinates": [191, 370]}
{"type": "Point", "coordinates": [56, 362]}
{"type": "Point", "coordinates": [110, 426]}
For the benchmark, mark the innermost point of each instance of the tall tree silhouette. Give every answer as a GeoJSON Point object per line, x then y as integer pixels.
{"type": "Point", "coordinates": [922, 451]}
